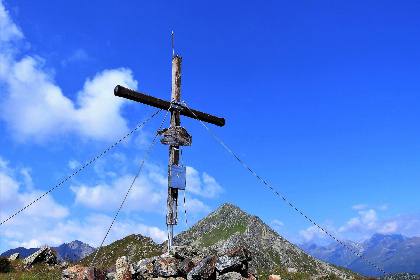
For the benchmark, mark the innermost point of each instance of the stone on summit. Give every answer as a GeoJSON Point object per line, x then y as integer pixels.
{"type": "Point", "coordinates": [43, 255]}
{"type": "Point", "coordinates": [14, 257]}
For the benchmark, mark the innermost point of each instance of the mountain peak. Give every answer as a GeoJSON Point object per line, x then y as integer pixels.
{"type": "Point", "coordinates": [228, 205]}
{"type": "Point", "coordinates": [229, 227]}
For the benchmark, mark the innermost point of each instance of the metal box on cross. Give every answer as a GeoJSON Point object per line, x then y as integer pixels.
{"type": "Point", "coordinates": [178, 177]}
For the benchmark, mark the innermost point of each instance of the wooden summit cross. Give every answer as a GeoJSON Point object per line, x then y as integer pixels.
{"type": "Point", "coordinates": [174, 136]}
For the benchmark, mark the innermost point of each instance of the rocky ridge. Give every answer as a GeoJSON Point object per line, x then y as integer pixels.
{"type": "Point", "coordinates": [180, 263]}
{"type": "Point", "coordinates": [44, 255]}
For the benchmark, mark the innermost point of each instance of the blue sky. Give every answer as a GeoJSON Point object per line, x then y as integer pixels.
{"type": "Point", "coordinates": [321, 99]}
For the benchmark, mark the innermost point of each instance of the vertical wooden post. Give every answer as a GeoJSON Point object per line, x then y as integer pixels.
{"type": "Point", "coordinates": [172, 202]}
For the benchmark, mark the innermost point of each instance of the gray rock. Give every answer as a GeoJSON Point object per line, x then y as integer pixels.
{"type": "Point", "coordinates": [235, 260]}
{"type": "Point", "coordinates": [292, 270]}
{"type": "Point", "coordinates": [121, 266]}
{"type": "Point", "coordinates": [44, 255]}
{"type": "Point", "coordinates": [184, 252]}
{"type": "Point", "coordinates": [110, 276]}
{"type": "Point", "coordinates": [204, 270]}
{"type": "Point", "coordinates": [14, 257]}
{"type": "Point", "coordinates": [74, 272]}
{"type": "Point", "coordinates": [186, 266]}
{"type": "Point", "coordinates": [143, 269]}
{"type": "Point", "coordinates": [230, 276]}
{"type": "Point", "coordinates": [166, 267]}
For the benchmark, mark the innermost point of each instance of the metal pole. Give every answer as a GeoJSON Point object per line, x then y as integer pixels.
{"type": "Point", "coordinates": [172, 202]}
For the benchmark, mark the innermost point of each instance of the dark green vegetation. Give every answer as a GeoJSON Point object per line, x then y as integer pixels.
{"type": "Point", "coordinates": [5, 265]}
{"type": "Point", "coordinates": [135, 247]}
{"type": "Point", "coordinates": [222, 233]}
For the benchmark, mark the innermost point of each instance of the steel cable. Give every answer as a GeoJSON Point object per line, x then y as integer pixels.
{"type": "Point", "coordinates": [81, 167]}
{"type": "Point", "coordinates": [126, 195]}
{"type": "Point", "coordinates": [289, 203]}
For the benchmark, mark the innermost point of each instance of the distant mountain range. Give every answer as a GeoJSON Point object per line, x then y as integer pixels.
{"type": "Point", "coordinates": [393, 253]}
{"type": "Point", "coordinates": [229, 227]}
{"type": "Point", "coordinates": [73, 251]}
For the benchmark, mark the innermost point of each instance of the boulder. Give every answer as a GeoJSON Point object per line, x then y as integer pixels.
{"type": "Point", "coordinates": [230, 276]}
{"type": "Point", "coordinates": [204, 270]}
{"type": "Point", "coordinates": [110, 273]}
{"type": "Point", "coordinates": [143, 269]}
{"type": "Point", "coordinates": [78, 272]}
{"type": "Point", "coordinates": [292, 270]}
{"type": "Point", "coordinates": [14, 257]}
{"type": "Point", "coordinates": [43, 255]}
{"type": "Point", "coordinates": [121, 268]}
{"type": "Point", "coordinates": [186, 266]}
{"type": "Point", "coordinates": [235, 260]}
{"type": "Point", "coordinates": [187, 252]}
{"type": "Point", "coordinates": [96, 274]}
{"type": "Point", "coordinates": [249, 276]}
{"type": "Point", "coordinates": [166, 278]}
{"type": "Point", "coordinates": [185, 262]}
{"type": "Point", "coordinates": [166, 267]}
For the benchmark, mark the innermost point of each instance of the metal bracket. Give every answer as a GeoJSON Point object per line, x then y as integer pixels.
{"type": "Point", "coordinates": [177, 105]}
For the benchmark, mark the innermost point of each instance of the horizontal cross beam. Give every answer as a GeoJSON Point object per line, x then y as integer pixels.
{"type": "Point", "coordinates": [165, 105]}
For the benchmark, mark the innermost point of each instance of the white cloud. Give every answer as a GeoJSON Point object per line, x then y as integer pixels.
{"type": "Point", "coordinates": [35, 108]}
{"type": "Point", "coordinates": [148, 192]}
{"type": "Point", "coordinates": [277, 225]}
{"type": "Point", "coordinates": [73, 164]}
{"type": "Point", "coordinates": [383, 207]}
{"type": "Point", "coordinates": [144, 139]}
{"type": "Point", "coordinates": [26, 228]}
{"type": "Point", "coordinates": [195, 206]}
{"type": "Point", "coordinates": [47, 222]}
{"type": "Point", "coordinates": [369, 222]}
{"type": "Point", "coordinates": [359, 206]}
{"type": "Point", "coordinates": [314, 234]}
{"type": "Point", "coordinates": [98, 115]}
{"type": "Point", "coordinates": [204, 185]}
{"type": "Point", "coordinates": [79, 55]}
{"type": "Point", "coordinates": [8, 188]}
{"type": "Point", "coordinates": [8, 30]}
{"type": "Point", "coordinates": [91, 230]}
{"type": "Point", "coordinates": [15, 195]}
